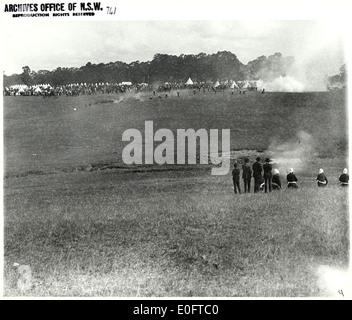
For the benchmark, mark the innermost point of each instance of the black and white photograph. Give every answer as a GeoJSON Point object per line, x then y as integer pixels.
{"type": "Point", "coordinates": [167, 150]}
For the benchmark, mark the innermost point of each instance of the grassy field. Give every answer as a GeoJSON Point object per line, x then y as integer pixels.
{"type": "Point", "coordinates": [88, 225]}
{"type": "Point", "coordinates": [48, 134]}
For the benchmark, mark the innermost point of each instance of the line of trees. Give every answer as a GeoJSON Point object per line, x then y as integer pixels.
{"type": "Point", "coordinates": [202, 67]}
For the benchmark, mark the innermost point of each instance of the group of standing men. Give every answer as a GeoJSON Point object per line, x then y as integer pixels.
{"type": "Point", "coordinates": [262, 174]}
{"type": "Point", "coordinates": [267, 179]}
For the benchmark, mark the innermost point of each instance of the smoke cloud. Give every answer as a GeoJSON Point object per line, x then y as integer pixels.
{"type": "Point", "coordinates": [284, 84]}
{"type": "Point", "coordinates": [310, 74]}
{"type": "Point", "coordinates": [318, 55]}
{"type": "Point", "coordinates": [295, 153]}
{"type": "Point", "coordinates": [131, 95]}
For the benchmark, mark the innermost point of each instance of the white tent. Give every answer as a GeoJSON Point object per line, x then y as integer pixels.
{"type": "Point", "coordinates": [233, 85]}
{"type": "Point", "coordinates": [216, 84]}
{"type": "Point", "coordinates": [246, 85]}
{"type": "Point", "coordinates": [189, 81]}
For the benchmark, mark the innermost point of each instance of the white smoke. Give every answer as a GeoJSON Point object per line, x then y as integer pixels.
{"type": "Point", "coordinates": [294, 153]}
{"type": "Point", "coordinates": [131, 95]}
{"type": "Point", "coordinates": [319, 55]}
{"type": "Point", "coordinates": [118, 100]}
{"type": "Point", "coordinates": [284, 84]}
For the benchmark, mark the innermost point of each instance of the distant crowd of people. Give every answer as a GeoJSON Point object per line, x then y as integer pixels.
{"type": "Point", "coordinates": [75, 89]}
{"type": "Point", "coordinates": [267, 179]}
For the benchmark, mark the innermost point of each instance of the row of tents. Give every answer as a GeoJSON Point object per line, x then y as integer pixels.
{"type": "Point", "coordinates": [39, 88]}
{"type": "Point", "coordinates": [233, 85]}
{"type": "Point", "coordinates": [22, 88]}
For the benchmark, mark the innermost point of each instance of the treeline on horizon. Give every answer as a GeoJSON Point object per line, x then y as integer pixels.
{"type": "Point", "coordinates": [202, 67]}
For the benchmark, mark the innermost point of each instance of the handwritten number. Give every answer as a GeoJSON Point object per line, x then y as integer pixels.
{"type": "Point", "coordinates": [111, 10]}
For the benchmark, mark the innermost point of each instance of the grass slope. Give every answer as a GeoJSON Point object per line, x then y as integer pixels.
{"type": "Point", "coordinates": [174, 232]}
{"type": "Point", "coordinates": [48, 134]}
{"type": "Point", "coordinates": [181, 234]}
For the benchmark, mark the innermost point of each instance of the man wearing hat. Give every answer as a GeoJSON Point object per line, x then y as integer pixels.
{"type": "Point", "coordinates": [322, 181]}
{"type": "Point", "coordinates": [267, 175]}
{"type": "Point", "coordinates": [236, 179]}
{"type": "Point", "coordinates": [292, 180]}
{"type": "Point", "coordinates": [276, 182]}
{"type": "Point", "coordinates": [257, 174]}
{"type": "Point", "coordinates": [246, 175]}
{"type": "Point", "coordinates": [344, 177]}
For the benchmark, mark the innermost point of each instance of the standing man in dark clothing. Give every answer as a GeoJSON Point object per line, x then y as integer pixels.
{"type": "Point", "coordinates": [246, 175]}
{"type": "Point", "coordinates": [257, 174]}
{"type": "Point", "coordinates": [292, 180]}
{"type": "Point", "coordinates": [236, 179]}
{"type": "Point", "coordinates": [267, 174]}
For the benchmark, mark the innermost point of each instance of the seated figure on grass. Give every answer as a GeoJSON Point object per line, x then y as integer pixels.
{"type": "Point", "coordinates": [344, 178]}
{"type": "Point", "coordinates": [292, 180]}
{"type": "Point", "coordinates": [322, 181]}
{"type": "Point", "coordinates": [276, 182]}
